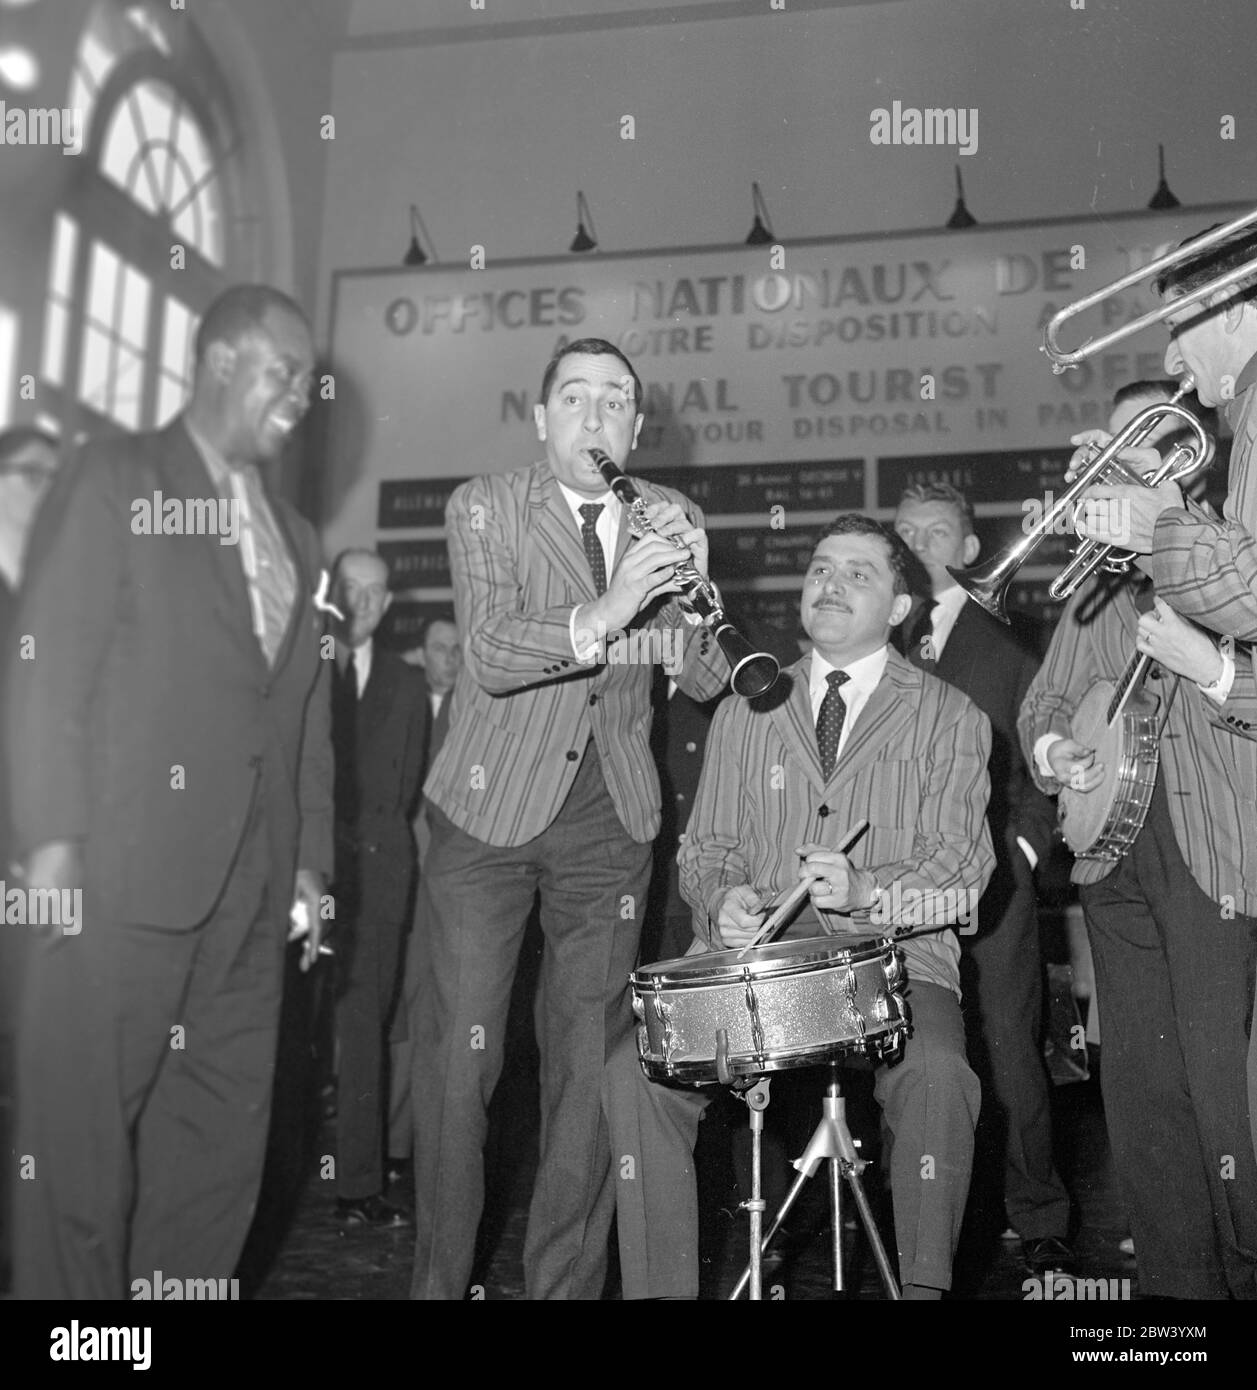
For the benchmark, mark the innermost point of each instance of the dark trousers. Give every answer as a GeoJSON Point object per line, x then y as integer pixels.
{"type": "Point", "coordinates": [1174, 985]}
{"type": "Point", "coordinates": [144, 1073]}
{"type": "Point", "coordinates": [363, 1009]}
{"type": "Point", "coordinates": [929, 1100]}
{"type": "Point", "coordinates": [476, 899]}
{"type": "Point", "coordinates": [1001, 977]}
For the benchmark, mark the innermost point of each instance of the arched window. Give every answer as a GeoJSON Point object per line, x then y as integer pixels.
{"type": "Point", "coordinates": [149, 231]}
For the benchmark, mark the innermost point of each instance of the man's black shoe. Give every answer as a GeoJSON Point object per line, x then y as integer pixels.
{"type": "Point", "coordinates": [1048, 1253]}
{"type": "Point", "coordinates": [370, 1211]}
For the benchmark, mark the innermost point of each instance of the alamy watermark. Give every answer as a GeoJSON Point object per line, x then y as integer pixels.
{"type": "Point", "coordinates": [187, 516]}
{"type": "Point", "coordinates": [1111, 514]}
{"type": "Point", "coordinates": [43, 907]}
{"type": "Point", "coordinates": [168, 1289]}
{"type": "Point", "coordinates": [647, 646]}
{"type": "Point", "coordinates": [936, 125]}
{"type": "Point", "coordinates": [42, 125]}
{"type": "Point", "coordinates": [1067, 1288]}
{"type": "Point", "coordinates": [906, 909]}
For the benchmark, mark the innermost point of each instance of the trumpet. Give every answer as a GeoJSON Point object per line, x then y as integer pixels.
{"type": "Point", "coordinates": [752, 673]}
{"type": "Point", "coordinates": [1063, 358]}
{"type": "Point", "coordinates": [988, 584]}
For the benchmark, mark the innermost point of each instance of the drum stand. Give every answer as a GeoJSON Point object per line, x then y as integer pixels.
{"type": "Point", "coordinates": [830, 1140]}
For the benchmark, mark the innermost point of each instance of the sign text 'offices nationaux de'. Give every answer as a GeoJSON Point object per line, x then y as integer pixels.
{"type": "Point", "coordinates": [781, 385]}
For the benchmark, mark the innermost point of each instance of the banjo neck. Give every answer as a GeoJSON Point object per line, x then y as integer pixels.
{"type": "Point", "coordinates": [1127, 684]}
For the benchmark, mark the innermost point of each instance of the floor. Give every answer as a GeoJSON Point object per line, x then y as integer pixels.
{"type": "Point", "coordinates": [298, 1251]}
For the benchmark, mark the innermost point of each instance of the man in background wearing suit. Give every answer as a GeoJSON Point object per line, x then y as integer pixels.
{"type": "Point", "coordinates": [856, 734]}
{"type": "Point", "coordinates": [28, 461]}
{"type": "Point", "coordinates": [167, 736]}
{"type": "Point", "coordinates": [379, 723]}
{"type": "Point", "coordinates": [1002, 964]}
{"type": "Point", "coordinates": [438, 659]}
{"type": "Point", "coordinates": [545, 782]}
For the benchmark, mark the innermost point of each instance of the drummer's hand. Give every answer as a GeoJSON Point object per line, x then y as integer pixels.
{"type": "Point", "coordinates": [1074, 766]}
{"type": "Point", "coordinates": [740, 915]}
{"type": "Point", "coordinates": [836, 885]}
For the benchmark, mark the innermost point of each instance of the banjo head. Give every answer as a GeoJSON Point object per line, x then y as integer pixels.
{"type": "Point", "coordinates": [1103, 823]}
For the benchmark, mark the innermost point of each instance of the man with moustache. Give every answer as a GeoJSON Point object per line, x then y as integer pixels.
{"type": "Point", "coordinates": [860, 734]}
{"type": "Point", "coordinates": [545, 782]}
{"type": "Point", "coordinates": [379, 725]}
{"type": "Point", "coordinates": [1002, 963]}
{"type": "Point", "coordinates": [168, 745]}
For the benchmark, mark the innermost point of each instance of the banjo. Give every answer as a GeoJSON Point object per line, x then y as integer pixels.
{"type": "Point", "coordinates": [1120, 722]}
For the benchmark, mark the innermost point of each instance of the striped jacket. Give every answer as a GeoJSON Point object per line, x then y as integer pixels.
{"type": "Point", "coordinates": [1209, 774]}
{"type": "Point", "coordinates": [914, 766]}
{"type": "Point", "coordinates": [524, 708]}
{"type": "Point", "coordinates": [1206, 568]}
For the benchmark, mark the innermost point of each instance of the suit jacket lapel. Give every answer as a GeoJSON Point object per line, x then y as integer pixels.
{"type": "Point", "coordinates": [305, 584]}
{"type": "Point", "coordinates": [793, 719]}
{"type": "Point", "coordinates": [185, 474]}
{"type": "Point", "coordinates": [377, 698]}
{"type": "Point", "coordinates": [555, 530]}
{"type": "Point", "coordinates": [887, 710]}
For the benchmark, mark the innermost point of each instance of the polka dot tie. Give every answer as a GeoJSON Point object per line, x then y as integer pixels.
{"type": "Point", "coordinates": [829, 721]}
{"type": "Point", "coordinates": [593, 546]}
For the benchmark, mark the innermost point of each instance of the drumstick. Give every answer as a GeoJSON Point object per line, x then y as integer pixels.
{"type": "Point", "coordinates": [799, 892]}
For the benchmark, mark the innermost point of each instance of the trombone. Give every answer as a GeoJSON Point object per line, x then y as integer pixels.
{"type": "Point", "coordinates": [988, 584]}
{"type": "Point", "coordinates": [1062, 359]}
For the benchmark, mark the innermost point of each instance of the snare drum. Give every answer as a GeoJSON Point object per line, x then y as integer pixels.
{"type": "Point", "coordinates": [791, 1004]}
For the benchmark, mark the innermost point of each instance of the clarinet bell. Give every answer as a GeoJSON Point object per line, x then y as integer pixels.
{"type": "Point", "coordinates": [753, 673]}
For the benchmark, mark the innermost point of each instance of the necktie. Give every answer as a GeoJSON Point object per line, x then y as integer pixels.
{"type": "Point", "coordinates": [345, 702]}
{"type": "Point", "coordinates": [593, 546]}
{"type": "Point", "coordinates": [267, 566]}
{"type": "Point", "coordinates": [829, 721]}
{"type": "Point", "coordinates": [440, 726]}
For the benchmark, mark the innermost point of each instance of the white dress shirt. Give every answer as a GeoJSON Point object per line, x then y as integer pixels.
{"type": "Point", "coordinates": [862, 678]}
{"type": "Point", "coordinates": [943, 615]}
{"type": "Point", "coordinates": [608, 529]}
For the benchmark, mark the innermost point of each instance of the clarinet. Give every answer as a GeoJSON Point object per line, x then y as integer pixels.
{"type": "Point", "coordinates": [752, 673]}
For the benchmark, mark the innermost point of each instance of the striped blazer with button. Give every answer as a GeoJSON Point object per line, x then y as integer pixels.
{"type": "Point", "coordinates": [1209, 773]}
{"type": "Point", "coordinates": [524, 707]}
{"type": "Point", "coordinates": [914, 766]}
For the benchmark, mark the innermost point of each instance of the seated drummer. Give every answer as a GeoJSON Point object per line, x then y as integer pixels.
{"type": "Point", "coordinates": [859, 735]}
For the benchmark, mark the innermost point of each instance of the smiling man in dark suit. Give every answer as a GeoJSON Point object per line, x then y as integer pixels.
{"type": "Point", "coordinates": [1002, 967]}
{"type": "Point", "coordinates": [545, 782]}
{"type": "Point", "coordinates": [170, 757]}
{"type": "Point", "coordinates": [379, 726]}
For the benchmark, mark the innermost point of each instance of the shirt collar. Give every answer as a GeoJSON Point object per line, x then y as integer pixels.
{"type": "Point", "coordinates": [1245, 382]}
{"type": "Point", "coordinates": [220, 470]}
{"type": "Point", "coordinates": [576, 501]}
{"type": "Point", "coordinates": [863, 674]}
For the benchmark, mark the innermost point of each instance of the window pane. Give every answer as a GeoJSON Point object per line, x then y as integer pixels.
{"type": "Point", "coordinates": [102, 284]}
{"type": "Point", "coordinates": [133, 324]}
{"type": "Point", "coordinates": [65, 243]}
{"type": "Point", "coordinates": [156, 110]}
{"type": "Point", "coordinates": [128, 388]}
{"type": "Point", "coordinates": [56, 324]}
{"type": "Point", "coordinates": [122, 144]}
{"type": "Point", "coordinates": [96, 58]}
{"type": "Point", "coordinates": [176, 350]}
{"type": "Point", "coordinates": [192, 147]}
{"type": "Point", "coordinates": [94, 373]}
{"type": "Point", "coordinates": [171, 395]}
